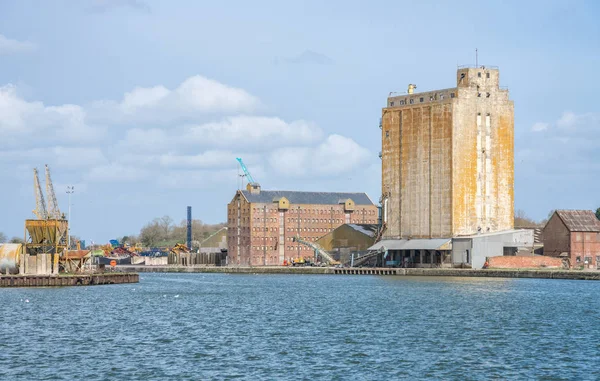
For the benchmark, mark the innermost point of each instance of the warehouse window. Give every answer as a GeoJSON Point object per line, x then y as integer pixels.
{"type": "Point", "coordinates": [402, 102]}
{"type": "Point", "coordinates": [479, 74]}
{"type": "Point", "coordinates": [391, 104]}
{"type": "Point", "coordinates": [412, 101]}
{"type": "Point", "coordinates": [452, 95]}
{"type": "Point", "coordinates": [487, 75]}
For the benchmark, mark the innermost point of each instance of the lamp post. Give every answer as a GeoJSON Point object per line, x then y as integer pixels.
{"type": "Point", "coordinates": [70, 191]}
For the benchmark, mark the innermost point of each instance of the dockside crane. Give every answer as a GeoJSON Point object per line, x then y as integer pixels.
{"type": "Point", "coordinates": [246, 172]}
{"type": "Point", "coordinates": [40, 204]}
{"type": "Point", "coordinates": [53, 210]}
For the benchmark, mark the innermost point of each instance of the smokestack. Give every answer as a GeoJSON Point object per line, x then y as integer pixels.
{"type": "Point", "coordinates": [189, 227]}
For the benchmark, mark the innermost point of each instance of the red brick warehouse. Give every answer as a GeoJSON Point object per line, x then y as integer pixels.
{"type": "Point", "coordinates": [573, 235]}
{"type": "Point", "coordinates": [262, 224]}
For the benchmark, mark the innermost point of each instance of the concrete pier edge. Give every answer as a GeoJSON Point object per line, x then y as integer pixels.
{"type": "Point", "coordinates": [489, 273]}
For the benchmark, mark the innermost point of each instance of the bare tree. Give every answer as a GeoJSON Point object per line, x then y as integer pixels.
{"type": "Point", "coordinates": [151, 234]}
{"type": "Point", "coordinates": [16, 240]}
{"type": "Point", "coordinates": [522, 220]}
{"type": "Point", "coordinates": [3, 237]}
{"type": "Point", "coordinates": [166, 223]}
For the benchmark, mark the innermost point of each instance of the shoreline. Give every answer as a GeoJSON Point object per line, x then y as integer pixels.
{"type": "Point", "coordinates": [487, 273]}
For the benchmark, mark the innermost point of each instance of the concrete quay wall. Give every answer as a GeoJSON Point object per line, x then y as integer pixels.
{"type": "Point", "coordinates": [67, 280]}
{"type": "Point", "coordinates": [490, 273]}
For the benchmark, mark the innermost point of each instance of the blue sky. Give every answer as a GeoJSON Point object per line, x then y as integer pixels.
{"type": "Point", "coordinates": [144, 105]}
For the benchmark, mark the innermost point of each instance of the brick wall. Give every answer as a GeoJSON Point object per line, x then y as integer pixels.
{"type": "Point", "coordinates": [515, 262]}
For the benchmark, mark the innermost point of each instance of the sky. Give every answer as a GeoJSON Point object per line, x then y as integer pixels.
{"type": "Point", "coordinates": [144, 105]}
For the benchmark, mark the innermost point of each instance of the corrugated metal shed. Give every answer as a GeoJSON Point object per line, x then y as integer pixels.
{"type": "Point", "coordinates": [579, 220]}
{"type": "Point", "coordinates": [315, 198]}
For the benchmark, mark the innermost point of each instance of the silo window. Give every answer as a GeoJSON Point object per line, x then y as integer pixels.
{"type": "Point", "coordinates": [452, 95]}
{"type": "Point", "coordinates": [412, 101]}
{"type": "Point", "coordinates": [479, 74]}
{"type": "Point", "coordinates": [387, 134]}
{"type": "Point", "coordinates": [487, 75]}
{"type": "Point", "coordinates": [431, 97]}
{"type": "Point", "coordinates": [391, 104]}
{"type": "Point", "coordinates": [421, 100]}
{"type": "Point", "coordinates": [401, 102]}
{"type": "Point", "coordinates": [441, 96]}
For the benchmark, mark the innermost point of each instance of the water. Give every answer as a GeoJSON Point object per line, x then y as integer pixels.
{"type": "Point", "coordinates": [302, 327]}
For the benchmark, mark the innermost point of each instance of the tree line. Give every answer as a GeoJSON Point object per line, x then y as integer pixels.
{"type": "Point", "coordinates": [164, 232]}
{"type": "Point", "coordinates": [4, 239]}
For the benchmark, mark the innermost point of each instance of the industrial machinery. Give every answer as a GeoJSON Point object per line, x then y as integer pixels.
{"type": "Point", "coordinates": [319, 251]}
{"type": "Point", "coordinates": [252, 186]}
{"type": "Point", "coordinates": [246, 172]}
{"type": "Point", "coordinates": [46, 237]}
{"type": "Point", "coordinates": [53, 211]}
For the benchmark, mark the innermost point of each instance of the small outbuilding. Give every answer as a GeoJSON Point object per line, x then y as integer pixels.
{"type": "Point", "coordinates": [346, 239]}
{"type": "Point", "coordinates": [575, 236]}
{"type": "Point", "coordinates": [473, 251]}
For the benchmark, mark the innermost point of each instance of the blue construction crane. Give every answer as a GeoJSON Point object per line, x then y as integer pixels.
{"type": "Point", "coordinates": [246, 172]}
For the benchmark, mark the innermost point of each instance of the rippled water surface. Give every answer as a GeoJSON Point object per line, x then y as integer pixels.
{"type": "Point", "coordinates": [303, 327]}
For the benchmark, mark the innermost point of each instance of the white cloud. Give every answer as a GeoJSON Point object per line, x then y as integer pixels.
{"type": "Point", "coordinates": [236, 132]}
{"type": "Point", "coordinates": [336, 155]}
{"type": "Point", "coordinates": [37, 123]}
{"type": "Point", "coordinates": [539, 126]}
{"type": "Point", "coordinates": [253, 131]}
{"type": "Point", "coordinates": [196, 179]}
{"type": "Point", "coordinates": [9, 46]}
{"type": "Point", "coordinates": [194, 98]}
{"type": "Point", "coordinates": [116, 173]}
{"type": "Point", "coordinates": [58, 156]}
{"type": "Point", "coordinates": [179, 147]}
{"type": "Point", "coordinates": [208, 159]}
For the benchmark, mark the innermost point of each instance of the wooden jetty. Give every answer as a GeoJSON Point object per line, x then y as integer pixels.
{"type": "Point", "coordinates": [67, 279]}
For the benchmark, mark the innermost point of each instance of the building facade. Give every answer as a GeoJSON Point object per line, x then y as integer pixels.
{"type": "Point", "coordinates": [573, 235]}
{"type": "Point", "coordinates": [262, 224]}
{"type": "Point", "coordinates": [448, 159]}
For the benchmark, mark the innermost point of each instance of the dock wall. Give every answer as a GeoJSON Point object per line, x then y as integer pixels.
{"type": "Point", "coordinates": [489, 273]}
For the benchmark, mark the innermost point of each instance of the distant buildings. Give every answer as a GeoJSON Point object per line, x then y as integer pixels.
{"type": "Point", "coordinates": [262, 224]}
{"type": "Point", "coordinates": [573, 235]}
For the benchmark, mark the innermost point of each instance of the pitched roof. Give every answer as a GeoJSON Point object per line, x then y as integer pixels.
{"type": "Point", "coordinates": [366, 229]}
{"type": "Point", "coordinates": [316, 198]}
{"type": "Point", "coordinates": [579, 220]}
